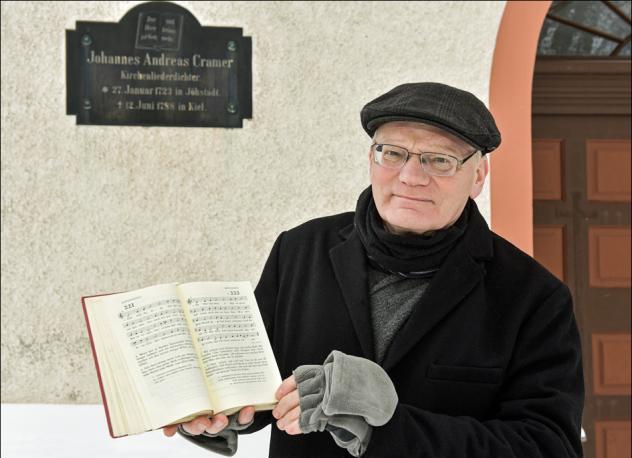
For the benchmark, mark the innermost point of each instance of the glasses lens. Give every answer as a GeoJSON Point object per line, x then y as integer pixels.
{"type": "Point", "coordinates": [389, 156]}
{"type": "Point", "coordinates": [439, 164]}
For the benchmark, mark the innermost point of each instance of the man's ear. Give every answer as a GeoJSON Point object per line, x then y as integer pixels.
{"type": "Point", "coordinates": [482, 169]}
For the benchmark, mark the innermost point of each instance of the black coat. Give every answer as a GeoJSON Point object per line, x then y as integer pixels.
{"type": "Point", "coordinates": [488, 364]}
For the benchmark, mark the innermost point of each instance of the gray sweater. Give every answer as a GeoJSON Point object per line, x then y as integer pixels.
{"type": "Point", "coordinates": [366, 396]}
{"type": "Point", "coordinates": [392, 300]}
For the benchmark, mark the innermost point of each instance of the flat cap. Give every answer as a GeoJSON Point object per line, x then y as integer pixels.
{"type": "Point", "coordinates": [454, 110]}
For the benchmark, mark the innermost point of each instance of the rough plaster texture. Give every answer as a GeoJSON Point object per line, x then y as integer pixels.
{"type": "Point", "coordinates": [88, 209]}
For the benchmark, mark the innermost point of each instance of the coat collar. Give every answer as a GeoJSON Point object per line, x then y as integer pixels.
{"type": "Point", "coordinates": [461, 271]}
{"type": "Point", "coordinates": [350, 266]}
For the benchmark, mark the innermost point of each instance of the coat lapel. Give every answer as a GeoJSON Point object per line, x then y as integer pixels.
{"type": "Point", "coordinates": [458, 275]}
{"type": "Point", "coordinates": [349, 263]}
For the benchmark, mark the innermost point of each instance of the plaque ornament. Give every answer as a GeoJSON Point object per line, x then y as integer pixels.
{"type": "Point", "coordinates": [158, 67]}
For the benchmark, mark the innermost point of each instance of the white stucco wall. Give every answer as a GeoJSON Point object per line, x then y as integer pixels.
{"type": "Point", "coordinates": [89, 209]}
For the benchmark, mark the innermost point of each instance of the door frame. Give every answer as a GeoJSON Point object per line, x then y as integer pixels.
{"type": "Point", "coordinates": [511, 176]}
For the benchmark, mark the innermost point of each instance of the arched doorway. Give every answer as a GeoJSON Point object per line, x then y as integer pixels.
{"type": "Point", "coordinates": [575, 193]}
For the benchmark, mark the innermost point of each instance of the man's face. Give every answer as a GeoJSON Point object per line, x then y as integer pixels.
{"type": "Point", "coordinates": [409, 199]}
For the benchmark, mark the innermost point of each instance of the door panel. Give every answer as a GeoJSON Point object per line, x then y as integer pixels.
{"type": "Point", "coordinates": [612, 439]}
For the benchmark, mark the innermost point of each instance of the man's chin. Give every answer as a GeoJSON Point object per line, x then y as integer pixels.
{"type": "Point", "coordinates": [406, 224]}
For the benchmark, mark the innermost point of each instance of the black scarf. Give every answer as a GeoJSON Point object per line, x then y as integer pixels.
{"type": "Point", "coordinates": [409, 255]}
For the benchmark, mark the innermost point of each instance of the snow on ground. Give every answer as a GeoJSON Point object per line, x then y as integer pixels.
{"type": "Point", "coordinates": [77, 431]}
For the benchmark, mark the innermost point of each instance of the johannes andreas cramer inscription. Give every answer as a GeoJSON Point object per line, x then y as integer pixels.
{"type": "Point", "coordinates": [158, 67]}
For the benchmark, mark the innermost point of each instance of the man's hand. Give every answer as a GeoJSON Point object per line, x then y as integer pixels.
{"type": "Point", "coordinates": [211, 425]}
{"type": "Point", "coordinates": [288, 410]}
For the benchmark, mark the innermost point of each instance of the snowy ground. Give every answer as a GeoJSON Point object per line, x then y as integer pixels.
{"type": "Point", "coordinates": [77, 431]}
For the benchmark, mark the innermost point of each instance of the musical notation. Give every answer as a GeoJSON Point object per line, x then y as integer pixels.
{"type": "Point", "coordinates": [171, 303]}
{"type": "Point", "coordinates": [218, 308]}
{"type": "Point", "coordinates": [227, 336]}
{"type": "Point", "coordinates": [209, 299]}
{"type": "Point", "coordinates": [181, 330]}
{"type": "Point", "coordinates": [153, 316]}
{"type": "Point", "coordinates": [218, 319]}
{"type": "Point", "coordinates": [151, 321]}
{"type": "Point", "coordinates": [154, 325]}
{"type": "Point", "coordinates": [199, 320]}
{"type": "Point", "coordinates": [228, 327]}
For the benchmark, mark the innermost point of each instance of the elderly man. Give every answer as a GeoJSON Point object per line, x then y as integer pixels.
{"type": "Point", "coordinates": [408, 328]}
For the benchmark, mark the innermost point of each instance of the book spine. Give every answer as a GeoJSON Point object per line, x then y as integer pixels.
{"type": "Point", "coordinates": [96, 364]}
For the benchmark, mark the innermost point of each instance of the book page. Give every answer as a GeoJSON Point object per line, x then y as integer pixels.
{"type": "Point", "coordinates": [154, 343]}
{"type": "Point", "coordinates": [227, 327]}
{"type": "Point", "coordinates": [122, 405]}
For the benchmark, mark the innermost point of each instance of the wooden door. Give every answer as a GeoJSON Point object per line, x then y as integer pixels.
{"type": "Point", "coordinates": [581, 187]}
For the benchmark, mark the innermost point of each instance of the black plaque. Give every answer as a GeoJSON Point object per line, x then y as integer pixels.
{"type": "Point", "coordinates": [158, 67]}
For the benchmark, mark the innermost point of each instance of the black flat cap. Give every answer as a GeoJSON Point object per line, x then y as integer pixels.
{"type": "Point", "coordinates": [454, 110]}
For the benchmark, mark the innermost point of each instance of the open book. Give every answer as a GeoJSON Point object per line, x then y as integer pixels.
{"type": "Point", "coordinates": [167, 353]}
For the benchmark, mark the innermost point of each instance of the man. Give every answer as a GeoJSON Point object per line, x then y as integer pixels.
{"type": "Point", "coordinates": [408, 328]}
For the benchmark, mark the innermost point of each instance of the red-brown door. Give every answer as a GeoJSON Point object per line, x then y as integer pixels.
{"type": "Point", "coordinates": [581, 186]}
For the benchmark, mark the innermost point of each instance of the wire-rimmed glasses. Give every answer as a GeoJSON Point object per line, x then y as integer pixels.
{"type": "Point", "coordinates": [437, 164]}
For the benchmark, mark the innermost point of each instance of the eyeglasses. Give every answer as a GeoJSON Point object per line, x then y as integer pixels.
{"type": "Point", "coordinates": [437, 164]}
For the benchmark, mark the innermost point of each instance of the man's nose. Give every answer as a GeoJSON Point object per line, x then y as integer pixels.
{"type": "Point", "coordinates": [413, 173]}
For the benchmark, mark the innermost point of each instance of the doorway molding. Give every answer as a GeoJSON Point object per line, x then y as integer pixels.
{"type": "Point", "coordinates": [510, 92]}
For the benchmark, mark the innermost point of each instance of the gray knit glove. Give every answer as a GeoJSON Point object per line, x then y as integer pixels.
{"type": "Point", "coordinates": [346, 396]}
{"type": "Point", "coordinates": [224, 442]}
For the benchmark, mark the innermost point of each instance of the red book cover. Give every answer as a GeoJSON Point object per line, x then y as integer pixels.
{"type": "Point", "coordinates": [96, 363]}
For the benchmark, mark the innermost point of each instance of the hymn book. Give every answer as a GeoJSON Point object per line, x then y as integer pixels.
{"type": "Point", "coordinates": [168, 353]}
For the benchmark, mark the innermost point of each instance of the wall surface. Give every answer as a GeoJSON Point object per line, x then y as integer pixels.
{"type": "Point", "coordinates": [90, 209]}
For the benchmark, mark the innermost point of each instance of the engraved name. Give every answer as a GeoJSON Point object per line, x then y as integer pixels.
{"type": "Point", "coordinates": [196, 61]}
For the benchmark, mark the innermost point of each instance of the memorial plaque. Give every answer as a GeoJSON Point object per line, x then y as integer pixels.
{"type": "Point", "coordinates": [158, 67]}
